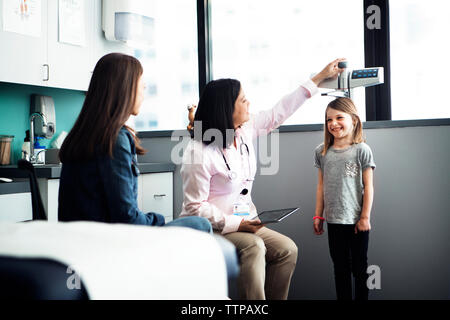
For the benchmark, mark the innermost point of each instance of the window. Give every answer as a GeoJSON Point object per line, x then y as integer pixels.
{"type": "Point", "coordinates": [170, 67]}
{"type": "Point", "coordinates": [274, 46]}
{"type": "Point", "coordinates": [419, 33]}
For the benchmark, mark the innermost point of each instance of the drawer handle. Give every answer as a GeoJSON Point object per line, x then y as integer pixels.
{"type": "Point", "coordinates": [158, 195]}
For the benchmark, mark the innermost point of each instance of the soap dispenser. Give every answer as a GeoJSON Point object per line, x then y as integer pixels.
{"type": "Point", "coordinates": [39, 151]}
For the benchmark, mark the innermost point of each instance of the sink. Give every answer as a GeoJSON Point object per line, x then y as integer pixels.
{"type": "Point", "coordinates": [51, 156]}
{"type": "Point", "coordinates": [47, 165]}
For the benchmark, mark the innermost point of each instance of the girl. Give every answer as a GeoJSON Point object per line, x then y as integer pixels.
{"type": "Point", "coordinates": [99, 171]}
{"type": "Point", "coordinates": [345, 195]}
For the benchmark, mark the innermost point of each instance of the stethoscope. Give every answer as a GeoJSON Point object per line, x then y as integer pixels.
{"type": "Point", "coordinates": [232, 174]}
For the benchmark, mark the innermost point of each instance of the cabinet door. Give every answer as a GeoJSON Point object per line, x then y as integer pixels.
{"type": "Point", "coordinates": [22, 56]}
{"type": "Point", "coordinates": [52, 200]}
{"type": "Point", "coordinates": [69, 63]}
{"type": "Point", "coordinates": [49, 189]}
{"type": "Point", "coordinates": [16, 207]}
{"type": "Point", "coordinates": [157, 194]}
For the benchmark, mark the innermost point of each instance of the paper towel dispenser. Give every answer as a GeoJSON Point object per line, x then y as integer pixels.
{"type": "Point", "coordinates": [129, 21]}
{"type": "Point", "coordinates": [45, 106]}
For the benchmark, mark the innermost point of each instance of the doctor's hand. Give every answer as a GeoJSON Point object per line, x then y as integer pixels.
{"type": "Point", "coordinates": [191, 108]}
{"type": "Point", "coordinates": [331, 71]}
{"type": "Point", "coordinates": [250, 226]}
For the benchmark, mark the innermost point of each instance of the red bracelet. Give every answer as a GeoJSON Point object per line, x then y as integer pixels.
{"type": "Point", "coordinates": [320, 218]}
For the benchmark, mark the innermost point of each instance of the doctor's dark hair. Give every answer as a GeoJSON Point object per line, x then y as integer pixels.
{"type": "Point", "coordinates": [109, 102]}
{"type": "Point", "coordinates": [215, 111]}
{"type": "Point", "coordinates": [345, 105]}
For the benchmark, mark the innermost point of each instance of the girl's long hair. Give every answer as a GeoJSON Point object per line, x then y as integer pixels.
{"type": "Point", "coordinates": [109, 102]}
{"type": "Point", "coordinates": [345, 105]}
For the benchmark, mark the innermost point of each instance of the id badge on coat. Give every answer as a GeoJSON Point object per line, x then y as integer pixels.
{"type": "Point", "coordinates": [241, 209]}
{"type": "Point", "coordinates": [242, 206]}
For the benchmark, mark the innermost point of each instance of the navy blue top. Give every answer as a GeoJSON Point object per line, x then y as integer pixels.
{"type": "Point", "coordinates": [104, 189]}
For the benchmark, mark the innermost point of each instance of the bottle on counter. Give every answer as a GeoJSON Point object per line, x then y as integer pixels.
{"type": "Point", "coordinates": [26, 146]}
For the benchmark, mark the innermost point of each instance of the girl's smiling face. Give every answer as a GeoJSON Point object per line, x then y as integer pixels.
{"type": "Point", "coordinates": [339, 124]}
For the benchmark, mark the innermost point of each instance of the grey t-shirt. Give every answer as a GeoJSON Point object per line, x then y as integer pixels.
{"type": "Point", "coordinates": [343, 186]}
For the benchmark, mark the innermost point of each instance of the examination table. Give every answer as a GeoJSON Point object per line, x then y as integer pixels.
{"type": "Point", "coordinates": [91, 260]}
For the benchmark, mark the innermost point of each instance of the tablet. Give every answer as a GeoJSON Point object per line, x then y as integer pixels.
{"type": "Point", "coordinates": [273, 216]}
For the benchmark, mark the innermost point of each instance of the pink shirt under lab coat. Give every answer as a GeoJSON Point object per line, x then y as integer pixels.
{"type": "Point", "coordinates": [209, 188]}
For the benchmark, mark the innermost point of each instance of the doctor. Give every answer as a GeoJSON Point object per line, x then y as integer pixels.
{"type": "Point", "coordinates": [218, 169]}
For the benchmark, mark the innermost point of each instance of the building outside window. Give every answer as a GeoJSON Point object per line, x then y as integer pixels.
{"type": "Point", "coordinates": [274, 46]}
{"type": "Point", "coordinates": [419, 33]}
{"type": "Point", "coordinates": [170, 67]}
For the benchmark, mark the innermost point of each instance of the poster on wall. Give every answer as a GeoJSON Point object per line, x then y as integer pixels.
{"type": "Point", "coordinates": [71, 22]}
{"type": "Point", "coordinates": [22, 16]}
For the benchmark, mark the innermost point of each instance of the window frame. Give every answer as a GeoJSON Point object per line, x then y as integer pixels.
{"type": "Point", "coordinates": [204, 44]}
{"type": "Point", "coordinates": [378, 98]}
{"type": "Point", "coordinates": [376, 41]}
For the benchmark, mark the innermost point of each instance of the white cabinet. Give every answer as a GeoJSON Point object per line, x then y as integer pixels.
{"type": "Point", "coordinates": [155, 193]}
{"type": "Point", "coordinates": [52, 200]}
{"type": "Point", "coordinates": [44, 61]}
{"type": "Point", "coordinates": [15, 207]}
{"type": "Point", "coordinates": [23, 58]}
{"type": "Point", "coordinates": [70, 65]}
{"type": "Point", "coordinates": [49, 189]}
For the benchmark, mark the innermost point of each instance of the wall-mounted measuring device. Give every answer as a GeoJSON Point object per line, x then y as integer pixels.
{"type": "Point", "coordinates": [347, 80]}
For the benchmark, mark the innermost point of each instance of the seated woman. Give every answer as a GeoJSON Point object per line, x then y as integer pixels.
{"type": "Point", "coordinates": [99, 156]}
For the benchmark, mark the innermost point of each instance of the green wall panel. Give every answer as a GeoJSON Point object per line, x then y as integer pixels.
{"type": "Point", "coordinates": [15, 110]}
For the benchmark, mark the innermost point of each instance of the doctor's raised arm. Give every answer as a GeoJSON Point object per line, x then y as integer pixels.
{"type": "Point", "coordinates": [268, 120]}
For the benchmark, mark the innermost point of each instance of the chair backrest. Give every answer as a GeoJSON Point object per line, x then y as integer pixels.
{"type": "Point", "coordinates": [36, 200]}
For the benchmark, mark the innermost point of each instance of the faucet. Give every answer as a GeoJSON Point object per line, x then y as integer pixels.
{"type": "Point", "coordinates": [33, 157]}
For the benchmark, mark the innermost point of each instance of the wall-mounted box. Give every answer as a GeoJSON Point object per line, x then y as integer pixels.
{"type": "Point", "coordinates": [129, 21]}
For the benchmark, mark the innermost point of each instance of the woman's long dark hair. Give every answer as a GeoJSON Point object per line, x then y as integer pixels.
{"type": "Point", "coordinates": [215, 110]}
{"type": "Point", "coordinates": [109, 102]}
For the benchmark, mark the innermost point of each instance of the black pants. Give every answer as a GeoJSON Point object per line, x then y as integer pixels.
{"type": "Point", "coordinates": [349, 254]}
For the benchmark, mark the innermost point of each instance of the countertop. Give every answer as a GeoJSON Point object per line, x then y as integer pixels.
{"type": "Point", "coordinates": [20, 182]}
